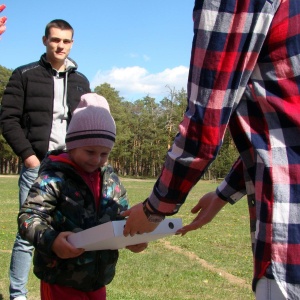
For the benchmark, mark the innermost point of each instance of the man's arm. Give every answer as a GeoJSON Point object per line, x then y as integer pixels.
{"type": "Point", "coordinates": [233, 187]}
{"type": "Point", "coordinates": [227, 39]}
{"type": "Point", "coordinates": [12, 116]}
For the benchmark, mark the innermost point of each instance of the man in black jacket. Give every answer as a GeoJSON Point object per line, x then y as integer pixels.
{"type": "Point", "coordinates": [36, 108]}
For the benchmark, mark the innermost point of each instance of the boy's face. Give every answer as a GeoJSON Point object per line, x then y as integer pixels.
{"type": "Point", "coordinates": [90, 158]}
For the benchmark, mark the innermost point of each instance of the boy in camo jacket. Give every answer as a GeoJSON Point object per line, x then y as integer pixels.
{"type": "Point", "coordinates": [75, 190]}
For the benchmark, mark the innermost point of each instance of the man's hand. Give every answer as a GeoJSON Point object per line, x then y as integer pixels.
{"type": "Point", "coordinates": [31, 162]}
{"type": "Point", "coordinates": [207, 208]}
{"type": "Point", "coordinates": [137, 222]}
{"type": "Point", "coordinates": [63, 249]}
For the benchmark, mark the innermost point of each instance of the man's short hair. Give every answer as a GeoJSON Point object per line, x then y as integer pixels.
{"type": "Point", "coordinates": [58, 23]}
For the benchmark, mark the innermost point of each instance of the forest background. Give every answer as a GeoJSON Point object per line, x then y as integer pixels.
{"type": "Point", "coordinates": [145, 131]}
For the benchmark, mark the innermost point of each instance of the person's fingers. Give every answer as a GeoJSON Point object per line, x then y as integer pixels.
{"type": "Point", "coordinates": [2, 29]}
{"type": "Point", "coordinates": [190, 227]}
{"type": "Point", "coordinates": [3, 20]}
{"type": "Point", "coordinates": [2, 24]}
{"type": "Point", "coordinates": [125, 213]}
{"type": "Point", "coordinates": [196, 208]}
{"type": "Point", "coordinates": [2, 7]}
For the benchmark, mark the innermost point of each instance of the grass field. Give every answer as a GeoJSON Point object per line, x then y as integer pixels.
{"type": "Point", "coordinates": [212, 263]}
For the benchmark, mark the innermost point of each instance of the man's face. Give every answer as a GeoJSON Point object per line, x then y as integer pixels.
{"type": "Point", "coordinates": [58, 45]}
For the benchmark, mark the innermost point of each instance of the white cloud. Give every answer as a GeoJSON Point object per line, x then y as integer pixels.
{"type": "Point", "coordinates": [136, 82]}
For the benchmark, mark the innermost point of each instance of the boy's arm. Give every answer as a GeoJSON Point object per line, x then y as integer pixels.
{"type": "Point", "coordinates": [35, 219]}
{"type": "Point", "coordinates": [114, 194]}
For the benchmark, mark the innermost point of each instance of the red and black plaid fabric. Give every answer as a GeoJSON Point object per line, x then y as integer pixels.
{"type": "Point", "coordinates": [245, 73]}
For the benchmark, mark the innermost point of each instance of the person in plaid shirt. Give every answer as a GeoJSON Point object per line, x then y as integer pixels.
{"type": "Point", "coordinates": [245, 75]}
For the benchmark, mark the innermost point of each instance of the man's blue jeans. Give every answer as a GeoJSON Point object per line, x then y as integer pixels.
{"type": "Point", "coordinates": [22, 251]}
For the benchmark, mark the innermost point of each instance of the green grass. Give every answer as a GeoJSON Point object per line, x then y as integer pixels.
{"type": "Point", "coordinates": [212, 263]}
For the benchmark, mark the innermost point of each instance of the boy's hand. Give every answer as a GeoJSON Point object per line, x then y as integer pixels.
{"type": "Point", "coordinates": [63, 249]}
{"type": "Point", "coordinates": [138, 247]}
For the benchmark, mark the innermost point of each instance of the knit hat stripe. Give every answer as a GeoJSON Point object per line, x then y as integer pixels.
{"type": "Point", "coordinates": [91, 136]}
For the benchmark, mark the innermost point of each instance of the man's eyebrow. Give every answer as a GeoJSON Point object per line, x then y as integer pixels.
{"type": "Point", "coordinates": [53, 38]}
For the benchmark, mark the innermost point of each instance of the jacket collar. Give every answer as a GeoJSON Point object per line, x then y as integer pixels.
{"type": "Point", "coordinates": [70, 64]}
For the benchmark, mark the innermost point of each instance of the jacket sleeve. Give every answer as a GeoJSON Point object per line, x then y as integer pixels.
{"type": "Point", "coordinates": [35, 219]}
{"type": "Point", "coordinates": [233, 187]}
{"type": "Point", "coordinates": [114, 196]}
{"type": "Point", "coordinates": [218, 75]}
{"type": "Point", "coordinates": [12, 117]}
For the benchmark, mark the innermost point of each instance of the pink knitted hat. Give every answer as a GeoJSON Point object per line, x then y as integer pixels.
{"type": "Point", "coordinates": [91, 124]}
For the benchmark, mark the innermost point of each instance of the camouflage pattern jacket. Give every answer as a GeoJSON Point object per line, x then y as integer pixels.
{"type": "Point", "coordinates": [60, 200]}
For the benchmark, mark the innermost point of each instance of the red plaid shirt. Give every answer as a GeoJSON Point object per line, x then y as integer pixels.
{"type": "Point", "coordinates": [245, 73]}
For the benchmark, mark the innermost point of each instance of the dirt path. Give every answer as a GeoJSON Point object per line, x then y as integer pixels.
{"type": "Point", "coordinates": [192, 256]}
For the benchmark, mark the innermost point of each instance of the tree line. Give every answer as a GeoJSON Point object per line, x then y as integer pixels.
{"type": "Point", "coordinates": [145, 131]}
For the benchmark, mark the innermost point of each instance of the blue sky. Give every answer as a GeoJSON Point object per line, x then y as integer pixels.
{"type": "Point", "coordinates": [139, 47]}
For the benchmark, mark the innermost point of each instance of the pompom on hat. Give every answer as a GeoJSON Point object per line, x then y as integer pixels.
{"type": "Point", "coordinates": [91, 124]}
